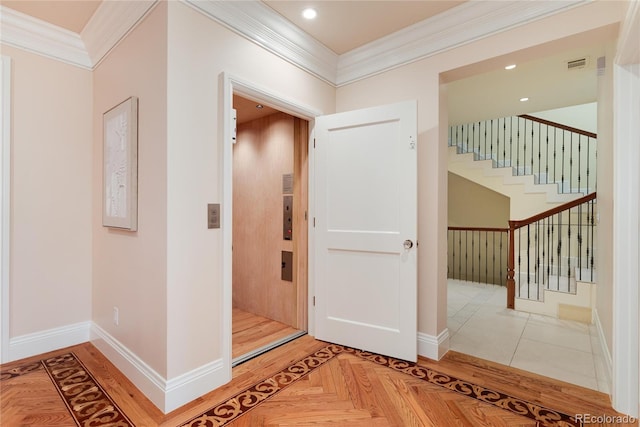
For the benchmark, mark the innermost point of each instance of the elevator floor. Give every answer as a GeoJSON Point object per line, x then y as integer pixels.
{"type": "Point", "coordinates": [252, 332]}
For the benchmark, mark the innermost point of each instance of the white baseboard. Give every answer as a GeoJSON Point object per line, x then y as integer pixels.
{"type": "Point", "coordinates": [433, 347]}
{"type": "Point", "coordinates": [191, 385]}
{"type": "Point", "coordinates": [49, 340]}
{"type": "Point", "coordinates": [167, 395]}
{"type": "Point", "coordinates": [150, 383]}
{"type": "Point", "coordinates": [606, 355]}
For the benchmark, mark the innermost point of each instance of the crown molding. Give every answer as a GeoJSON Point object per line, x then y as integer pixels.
{"type": "Point", "coordinates": [463, 24]}
{"type": "Point", "coordinates": [110, 23]}
{"type": "Point", "coordinates": [468, 22]}
{"type": "Point", "coordinates": [34, 35]}
{"type": "Point", "coordinates": [259, 23]}
{"type": "Point", "coordinates": [262, 25]}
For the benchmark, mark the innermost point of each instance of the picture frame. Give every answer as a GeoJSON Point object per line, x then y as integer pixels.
{"type": "Point", "coordinates": [120, 166]}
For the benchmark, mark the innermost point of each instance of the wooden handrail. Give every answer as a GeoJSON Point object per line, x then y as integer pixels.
{"type": "Point", "coordinates": [559, 126]}
{"type": "Point", "coordinates": [501, 230]}
{"type": "Point", "coordinates": [514, 225]}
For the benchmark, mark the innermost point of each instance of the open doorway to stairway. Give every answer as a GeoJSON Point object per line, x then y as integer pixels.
{"type": "Point", "coordinates": [269, 284]}
{"type": "Point", "coordinates": [526, 135]}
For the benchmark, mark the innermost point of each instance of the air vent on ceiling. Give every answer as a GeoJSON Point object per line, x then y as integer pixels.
{"type": "Point", "coordinates": [576, 64]}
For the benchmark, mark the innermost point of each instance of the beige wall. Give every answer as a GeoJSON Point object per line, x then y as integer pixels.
{"type": "Point", "coordinates": [472, 205]}
{"type": "Point", "coordinates": [263, 153]}
{"type": "Point", "coordinates": [130, 267]}
{"type": "Point", "coordinates": [581, 116]}
{"type": "Point", "coordinates": [421, 80]}
{"type": "Point", "coordinates": [199, 51]}
{"type": "Point", "coordinates": [51, 194]}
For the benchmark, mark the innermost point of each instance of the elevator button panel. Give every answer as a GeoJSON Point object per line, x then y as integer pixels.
{"type": "Point", "coordinates": [287, 218]}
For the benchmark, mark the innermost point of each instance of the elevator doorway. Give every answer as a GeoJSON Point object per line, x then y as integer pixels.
{"type": "Point", "coordinates": [270, 199]}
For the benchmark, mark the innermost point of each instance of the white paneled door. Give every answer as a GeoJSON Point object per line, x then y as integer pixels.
{"type": "Point", "coordinates": [365, 271]}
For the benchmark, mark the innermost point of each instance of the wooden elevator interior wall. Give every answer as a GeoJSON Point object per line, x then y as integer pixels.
{"type": "Point", "coordinates": [263, 153]}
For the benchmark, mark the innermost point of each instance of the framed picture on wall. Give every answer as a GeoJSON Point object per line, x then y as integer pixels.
{"type": "Point", "coordinates": [120, 166]}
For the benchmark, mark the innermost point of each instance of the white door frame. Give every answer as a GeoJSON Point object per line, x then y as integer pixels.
{"type": "Point", "coordinates": [625, 392]}
{"type": "Point", "coordinates": [231, 84]}
{"type": "Point", "coordinates": [626, 235]}
{"type": "Point", "coordinates": [5, 198]}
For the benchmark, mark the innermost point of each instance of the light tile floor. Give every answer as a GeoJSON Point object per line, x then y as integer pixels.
{"type": "Point", "coordinates": [481, 326]}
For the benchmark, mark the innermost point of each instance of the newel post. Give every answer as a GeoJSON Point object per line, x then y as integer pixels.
{"type": "Point", "coordinates": [511, 283]}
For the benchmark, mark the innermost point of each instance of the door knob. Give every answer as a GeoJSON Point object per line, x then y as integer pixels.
{"type": "Point", "coordinates": [408, 244]}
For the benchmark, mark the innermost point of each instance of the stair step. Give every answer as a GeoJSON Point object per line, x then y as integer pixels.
{"type": "Point", "coordinates": [552, 283]}
{"type": "Point", "coordinates": [540, 178]}
{"type": "Point", "coordinates": [555, 283]}
{"type": "Point", "coordinates": [586, 275]}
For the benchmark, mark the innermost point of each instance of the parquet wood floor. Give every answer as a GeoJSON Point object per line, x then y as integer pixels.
{"type": "Point", "coordinates": [346, 390]}
{"type": "Point", "coordinates": [40, 403]}
{"type": "Point", "coordinates": [350, 391]}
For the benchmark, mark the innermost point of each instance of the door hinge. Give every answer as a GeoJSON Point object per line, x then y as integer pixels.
{"type": "Point", "coordinates": [314, 143]}
{"type": "Point", "coordinates": [314, 222]}
{"type": "Point", "coordinates": [305, 215]}
{"type": "Point", "coordinates": [314, 301]}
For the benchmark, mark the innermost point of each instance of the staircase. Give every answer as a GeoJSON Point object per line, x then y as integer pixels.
{"type": "Point", "coordinates": [540, 166]}
{"type": "Point", "coordinates": [552, 260]}
{"type": "Point", "coordinates": [573, 300]}
{"type": "Point", "coordinates": [526, 197]}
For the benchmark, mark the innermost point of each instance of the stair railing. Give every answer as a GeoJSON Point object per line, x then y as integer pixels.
{"type": "Point", "coordinates": [551, 152]}
{"type": "Point", "coordinates": [554, 248]}
{"type": "Point", "coordinates": [477, 254]}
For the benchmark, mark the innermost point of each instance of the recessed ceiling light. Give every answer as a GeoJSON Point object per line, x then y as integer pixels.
{"type": "Point", "coordinates": [525, 99]}
{"type": "Point", "coordinates": [309, 13]}
{"type": "Point", "coordinates": [259, 106]}
{"type": "Point", "coordinates": [510, 67]}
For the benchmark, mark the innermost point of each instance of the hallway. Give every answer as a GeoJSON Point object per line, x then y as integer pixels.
{"type": "Point", "coordinates": [481, 326]}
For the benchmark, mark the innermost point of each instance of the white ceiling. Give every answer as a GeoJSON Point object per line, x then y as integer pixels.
{"type": "Point", "coordinates": [345, 25]}
{"type": "Point", "coordinates": [70, 14]}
